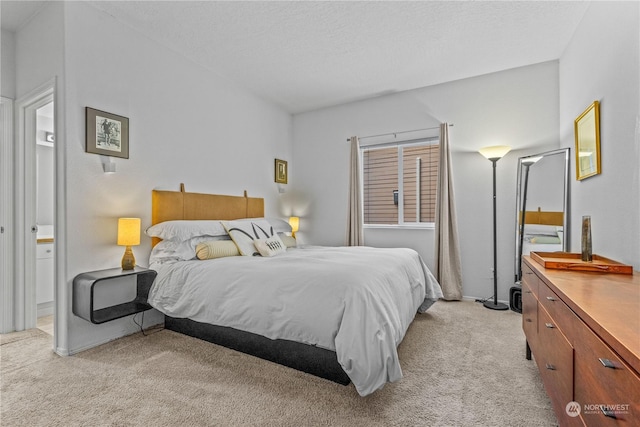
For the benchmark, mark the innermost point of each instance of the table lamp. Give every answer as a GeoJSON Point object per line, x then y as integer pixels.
{"type": "Point", "coordinates": [128, 235]}
{"type": "Point", "coordinates": [294, 222]}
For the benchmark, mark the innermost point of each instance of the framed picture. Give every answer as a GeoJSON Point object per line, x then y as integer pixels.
{"type": "Point", "coordinates": [587, 130]}
{"type": "Point", "coordinates": [281, 171]}
{"type": "Point", "coordinates": [107, 134]}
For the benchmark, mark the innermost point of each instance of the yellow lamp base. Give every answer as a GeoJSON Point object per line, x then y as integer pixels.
{"type": "Point", "coordinates": [128, 260]}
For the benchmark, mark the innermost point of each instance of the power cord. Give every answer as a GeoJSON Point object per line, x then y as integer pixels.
{"type": "Point", "coordinates": [140, 325]}
{"type": "Point", "coordinates": [484, 300]}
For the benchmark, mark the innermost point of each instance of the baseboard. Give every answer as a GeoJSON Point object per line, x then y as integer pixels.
{"type": "Point", "coordinates": [45, 309]}
{"type": "Point", "coordinates": [89, 346]}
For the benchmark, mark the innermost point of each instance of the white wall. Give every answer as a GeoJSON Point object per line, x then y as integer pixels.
{"type": "Point", "coordinates": [8, 65]}
{"type": "Point", "coordinates": [602, 63]}
{"type": "Point", "coordinates": [518, 107]}
{"type": "Point", "coordinates": [186, 125]}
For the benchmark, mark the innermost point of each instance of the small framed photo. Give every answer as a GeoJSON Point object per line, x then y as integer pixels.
{"type": "Point", "coordinates": [107, 134]}
{"type": "Point", "coordinates": [281, 171]}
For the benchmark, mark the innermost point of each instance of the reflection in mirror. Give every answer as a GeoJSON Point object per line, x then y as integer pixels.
{"type": "Point", "coordinates": [542, 204]}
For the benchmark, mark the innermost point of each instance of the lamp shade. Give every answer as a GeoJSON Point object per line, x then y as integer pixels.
{"type": "Point", "coordinates": [495, 151]}
{"type": "Point", "coordinates": [294, 222]}
{"type": "Point", "coordinates": [128, 231]}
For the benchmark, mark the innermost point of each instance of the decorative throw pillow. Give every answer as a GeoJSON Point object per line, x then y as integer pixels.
{"type": "Point", "coordinates": [289, 241]}
{"type": "Point", "coordinates": [212, 249]}
{"type": "Point", "coordinates": [243, 233]}
{"type": "Point", "coordinates": [271, 246]}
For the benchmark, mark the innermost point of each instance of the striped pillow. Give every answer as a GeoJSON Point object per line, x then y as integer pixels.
{"type": "Point", "coordinates": [212, 249]}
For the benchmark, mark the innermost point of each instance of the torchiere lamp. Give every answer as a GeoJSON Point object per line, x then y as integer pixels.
{"type": "Point", "coordinates": [494, 154]}
{"type": "Point", "coordinates": [128, 235]}
{"type": "Point", "coordinates": [526, 162]}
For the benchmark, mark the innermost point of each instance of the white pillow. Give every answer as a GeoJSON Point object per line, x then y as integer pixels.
{"type": "Point", "coordinates": [182, 230]}
{"type": "Point", "coordinates": [168, 250]}
{"type": "Point", "coordinates": [271, 246]}
{"type": "Point", "coordinates": [289, 241]}
{"type": "Point", "coordinates": [244, 232]}
{"type": "Point", "coordinates": [212, 249]}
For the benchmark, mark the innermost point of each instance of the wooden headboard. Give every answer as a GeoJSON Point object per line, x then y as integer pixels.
{"type": "Point", "coordinates": [543, 217]}
{"type": "Point", "coordinates": [178, 205]}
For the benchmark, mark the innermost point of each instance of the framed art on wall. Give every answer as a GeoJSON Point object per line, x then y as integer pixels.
{"type": "Point", "coordinates": [281, 171]}
{"type": "Point", "coordinates": [587, 130]}
{"type": "Point", "coordinates": [107, 134]}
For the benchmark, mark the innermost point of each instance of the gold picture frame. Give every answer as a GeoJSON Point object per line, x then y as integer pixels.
{"type": "Point", "coordinates": [281, 171]}
{"type": "Point", "coordinates": [587, 131]}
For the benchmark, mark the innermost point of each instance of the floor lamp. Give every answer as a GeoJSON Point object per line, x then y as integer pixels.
{"type": "Point", "coordinates": [494, 154]}
{"type": "Point", "coordinates": [526, 162]}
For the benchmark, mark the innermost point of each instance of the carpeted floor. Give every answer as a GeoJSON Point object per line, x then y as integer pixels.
{"type": "Point", "coordinates": [463, 365]}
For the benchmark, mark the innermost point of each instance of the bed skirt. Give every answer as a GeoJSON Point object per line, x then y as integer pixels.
{"type": "Point", "coordinates": [302, 357]}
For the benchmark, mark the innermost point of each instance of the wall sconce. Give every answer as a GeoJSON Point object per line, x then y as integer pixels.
{"type": "Point", "coordinates": [108, 166]}
{"type": "Point", "coordinates": [294, 222]}
{"type": "Point", "coordinates": [128, 235]}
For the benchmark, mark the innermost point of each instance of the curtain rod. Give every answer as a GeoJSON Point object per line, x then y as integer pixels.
{"type": "Point", "coordinates": [397, 133]}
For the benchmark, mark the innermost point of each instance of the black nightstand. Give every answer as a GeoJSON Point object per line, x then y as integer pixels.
{"type": "Point", "coordinates": [83, 290]}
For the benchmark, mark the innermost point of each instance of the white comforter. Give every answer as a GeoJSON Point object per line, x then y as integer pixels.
{"type": "Point", "coordinates": [356, 301]}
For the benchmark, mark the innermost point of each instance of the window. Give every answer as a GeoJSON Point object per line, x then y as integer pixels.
{"type": "Point", "coordinates": [399, 182]}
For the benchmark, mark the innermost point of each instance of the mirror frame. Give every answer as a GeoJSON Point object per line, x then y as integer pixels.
{"type": "Point", "coordinates": [565, 204]}
{"type": "Point", "coordinates": [587, 134]}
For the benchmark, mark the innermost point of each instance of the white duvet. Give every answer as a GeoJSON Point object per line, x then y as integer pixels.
{"type": "Point", "coordinates": [356, 301]}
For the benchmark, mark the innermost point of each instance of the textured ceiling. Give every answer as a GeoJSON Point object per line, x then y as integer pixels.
{"type": "Point", "coordinates": [305, 55]}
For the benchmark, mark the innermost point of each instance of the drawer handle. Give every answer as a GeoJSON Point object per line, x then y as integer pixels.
{"type": "Point", "coordinates": [528, 320]}
{"type": "Point", "coordinates": [608, 413]}
{"type": "Point", "coordinates": [549, 325]}
{"type": "Point", "coordinates": [551, 299]}
{"type": "Point", "coordinates": [527, 292]}
{"type": "Point", "coordinates": [607, 363]}
{"type": "Point", "coordinates": [550, 367]}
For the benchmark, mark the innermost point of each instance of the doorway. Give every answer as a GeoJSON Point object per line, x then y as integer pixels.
{"type": "Point", "coordinates": [45, 190]}
{"type": "Point", "coordinates": [34, 197]}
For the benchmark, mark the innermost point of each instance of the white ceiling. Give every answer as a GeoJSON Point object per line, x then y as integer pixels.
{"type": "Point", "coordinates": [305, 55]}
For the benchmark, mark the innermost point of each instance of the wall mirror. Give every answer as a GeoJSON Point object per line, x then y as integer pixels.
{"type": "Point", "coordinates": [542, 198]}
{"type": "Point", "coordinates": [587, 131]}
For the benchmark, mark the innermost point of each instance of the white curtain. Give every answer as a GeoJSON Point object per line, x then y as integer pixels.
{"type": "Point", "coordinates": [354, 216]}
{"type": "Point", "coordinates": [447, 250]}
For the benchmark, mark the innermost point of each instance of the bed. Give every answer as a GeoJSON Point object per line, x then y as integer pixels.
{"type": "Point", "coordinates": [338, 313]}
{"type": "Point", "coordinates": [543, 231]}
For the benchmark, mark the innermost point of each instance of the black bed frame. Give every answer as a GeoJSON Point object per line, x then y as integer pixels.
{"type": "Point", "coordinates": [302, 357]}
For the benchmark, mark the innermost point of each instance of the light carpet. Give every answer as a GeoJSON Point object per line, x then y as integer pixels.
{"type": "Point", "coordinates": [463, 365]}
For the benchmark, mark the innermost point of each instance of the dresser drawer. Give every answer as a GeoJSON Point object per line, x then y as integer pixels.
{"type": "Point", "coordinates": [604, 383]}
{"type": "Point", "coordinates": [530, 279]}
{"type": "Point", "coordinates": [555, 361]}
{"type": "Point", "coordinates": [562, 316]}
{"type": "Point", "coordinates": [530, 317]}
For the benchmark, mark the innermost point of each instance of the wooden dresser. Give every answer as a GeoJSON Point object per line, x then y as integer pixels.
{"type": "Point", "coordinates": [583, 330]}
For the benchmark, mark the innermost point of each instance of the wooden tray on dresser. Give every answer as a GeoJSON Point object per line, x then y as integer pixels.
{"type": "Point", "coordinates": [573, 262]}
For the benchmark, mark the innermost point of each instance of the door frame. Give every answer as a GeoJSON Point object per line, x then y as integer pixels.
{"type": "Point", "coordinates": [6, 216]}
{"type": "Point", "coordinates": [24, 298]}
